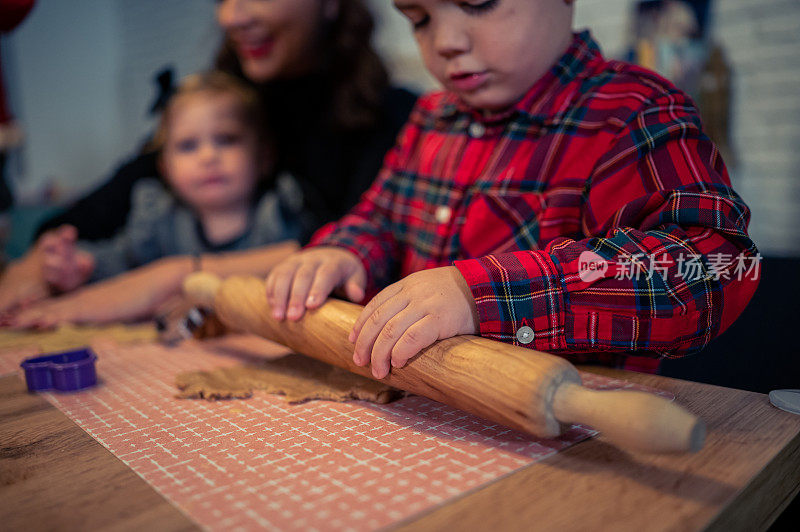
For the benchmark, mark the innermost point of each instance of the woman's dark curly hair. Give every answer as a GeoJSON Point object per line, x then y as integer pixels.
{"type": "Point", "coordinates": [357, 75]}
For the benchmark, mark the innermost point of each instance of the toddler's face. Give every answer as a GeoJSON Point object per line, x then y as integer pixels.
{"type": "Point", "coordinates": [489, 52]}
{"type": "Point", "coordinates": [210, 156]}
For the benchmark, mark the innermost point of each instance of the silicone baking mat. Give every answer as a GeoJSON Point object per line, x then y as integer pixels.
{"type": "Point", "coordinates": [260, 463]}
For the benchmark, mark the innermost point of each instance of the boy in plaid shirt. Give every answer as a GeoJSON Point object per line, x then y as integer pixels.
{"type": "Point", "coordinates": [547, 198]}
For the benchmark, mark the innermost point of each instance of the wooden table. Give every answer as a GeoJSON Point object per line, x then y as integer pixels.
{"type": "Point", "coordinates": [54, 475]}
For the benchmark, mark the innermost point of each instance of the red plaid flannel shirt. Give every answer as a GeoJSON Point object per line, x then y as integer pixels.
{"type": "Point", "coordinates": [599, 156]}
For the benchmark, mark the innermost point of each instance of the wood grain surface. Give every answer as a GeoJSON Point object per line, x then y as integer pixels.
{"type": "Point", "coordinates": [743, 478]}
{"type": "Point", "coordinates": [53, 475]}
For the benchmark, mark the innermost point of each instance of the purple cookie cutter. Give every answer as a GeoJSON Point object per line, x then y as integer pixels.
{"type": "Point", "coordinates": [65, 372]}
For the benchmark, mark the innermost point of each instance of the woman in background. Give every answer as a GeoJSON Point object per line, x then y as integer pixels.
{"type": "Point", "coordinates": [333, 116]}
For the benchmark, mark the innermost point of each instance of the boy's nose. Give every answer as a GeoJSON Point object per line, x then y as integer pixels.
{"type": "Point", "coordinates": [450, 41]}
{"type": "Point", "coordinates": [233, 13]}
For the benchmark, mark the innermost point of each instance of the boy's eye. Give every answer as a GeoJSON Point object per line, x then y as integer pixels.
{"type": "Point", "coordinates": [479, 7]}
{"type": "Point", "coordinates": [186, 145]}
{"type": "Point", "coordinates": [419, 19]}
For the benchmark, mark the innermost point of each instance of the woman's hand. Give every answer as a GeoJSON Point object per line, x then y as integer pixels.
{"type": "Point", "coordinates": [22, 282]}
{"type": "Point", "coordinates": [128, 297]}
{"type": "Point", "coordinates": [410, 315]}
{"type": "Point", "coordinates": [64, 266]}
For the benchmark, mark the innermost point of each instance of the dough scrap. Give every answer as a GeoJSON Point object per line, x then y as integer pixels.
{"type": "Point", "coordinates": [296, 377]}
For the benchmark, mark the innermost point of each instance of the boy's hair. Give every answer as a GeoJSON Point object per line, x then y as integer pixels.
{"type": "Point", "coordinates": [214, 83]}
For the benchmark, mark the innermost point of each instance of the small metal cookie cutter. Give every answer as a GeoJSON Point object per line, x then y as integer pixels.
{"type": "Point", "coordinates": [66, 372]}
{"type": "Point", "coordinates": [180, 320]}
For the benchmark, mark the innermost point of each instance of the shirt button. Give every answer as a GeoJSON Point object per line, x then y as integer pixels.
{"type": "Point", "coordinates": [525, 335]}
{"type": "Point", "coordinates": [476, 130]}
{"type": "Point", "coordinates": [443, 213]}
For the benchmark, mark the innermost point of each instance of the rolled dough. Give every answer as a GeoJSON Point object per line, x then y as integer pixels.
{"type": "Point", "coordinates": [297, 377]}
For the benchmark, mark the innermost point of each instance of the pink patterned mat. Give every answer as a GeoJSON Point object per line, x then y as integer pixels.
{"type": "Point", "coordinates": [260, 463]}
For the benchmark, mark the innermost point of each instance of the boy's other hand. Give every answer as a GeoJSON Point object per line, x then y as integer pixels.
{"type": "Point", "coordinates": [64, 266]}
{"type": "Point", "coordinates": [306, 279]}
{"type": "Point", "coordinates": [410, 315]}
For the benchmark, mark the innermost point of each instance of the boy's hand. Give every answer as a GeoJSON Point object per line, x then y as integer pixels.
{"type": "Point", "coordinates": [64, 266]}
{"type": "Point", "coordinates": [410, 315]}
{"type": "Point", "coordinates": [305, 280]}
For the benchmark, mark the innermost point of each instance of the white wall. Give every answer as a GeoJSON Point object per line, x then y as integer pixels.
{"type": "Point", "coordinates": [763, 44]}
{"type": "Point", "coordinates": [63, 84]}
{"type": "Point", "coordinates": [155, 33]}
{"type": "Point", "coordinates": [80, 78]}
{"type": "Point", "coordinates": [394, 41]}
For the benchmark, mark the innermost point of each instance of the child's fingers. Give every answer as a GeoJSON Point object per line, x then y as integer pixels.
{"type": "Point", "coordinates": [9, 299]}
{"type": "Point", "coordinates": [32, 296]}
{"type": "Point", "coordinates": [85, 264]}
{"type": "Point", "coordinates": [31, 319]}
{"type": "Point", "coordinates": [389, 292]}
{"type": "Point", "coordinates": [417, 337]}
{"type": "Point", "coordinates": [68, 233]}
{"type": "Point", "coordinates": [355, 285]}
{"type": "Point", "coordinates": [269, 288]}
{"type": "Point", "coordinates": [303, 278]}
{"type": "Point", "coordinates": [326, 279]}
{"type": "Point", "coordinates": [389, 335]}
{"type": "Point", "coordinates": [21, 294]}
{"type": "Point", "coordinates": [53, 263]}
{"type": "Point", "coordinates": [49, 314]}
{"type": "Point", "coordinates": [374, 321]}
{"type": "Point", "coordinates": [278, 285]}
{"type": "Point", "coordinates": [59, 239]}
{"type": "Point", "coordinates": [6, 319]}
{"type": "Point", "coordinates": [55, 271]}
{"type": "Point", "coordinates": [49, 242]}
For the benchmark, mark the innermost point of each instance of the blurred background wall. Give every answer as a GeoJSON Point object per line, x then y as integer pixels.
{"type": "Point", "coordinates": [80, 81]}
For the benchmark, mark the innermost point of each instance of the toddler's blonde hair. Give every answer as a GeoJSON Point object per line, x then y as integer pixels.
{"type": "Point", "coordinates": [214, 83]}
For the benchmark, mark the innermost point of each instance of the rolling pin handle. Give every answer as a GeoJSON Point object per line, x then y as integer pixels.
{"type": "Point", "coordinates": [201, 288]}
{"type": "Point", "coordinates": [632, 419]}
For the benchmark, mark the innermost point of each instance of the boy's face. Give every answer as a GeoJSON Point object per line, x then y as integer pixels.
{"type": "Point", "coordinates": [489, 52]}
{"type": "Point", "coordinates": [209, 156]}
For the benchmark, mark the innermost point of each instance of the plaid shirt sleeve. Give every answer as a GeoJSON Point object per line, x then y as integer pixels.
{"type": "Point", "coordinates": [656, 200]}
{"type": "Point", "coordinates": [366, 231]}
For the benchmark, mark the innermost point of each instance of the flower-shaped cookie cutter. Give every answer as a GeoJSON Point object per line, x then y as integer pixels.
{"type": "Point", "coordinates": [66, 372]}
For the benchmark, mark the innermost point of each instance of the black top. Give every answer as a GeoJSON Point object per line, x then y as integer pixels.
{"type": "Point", "coordinates": [333, 167]}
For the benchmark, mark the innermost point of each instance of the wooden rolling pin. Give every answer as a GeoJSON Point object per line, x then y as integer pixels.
{"type": "Point", "coordinates": [527, 390]}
